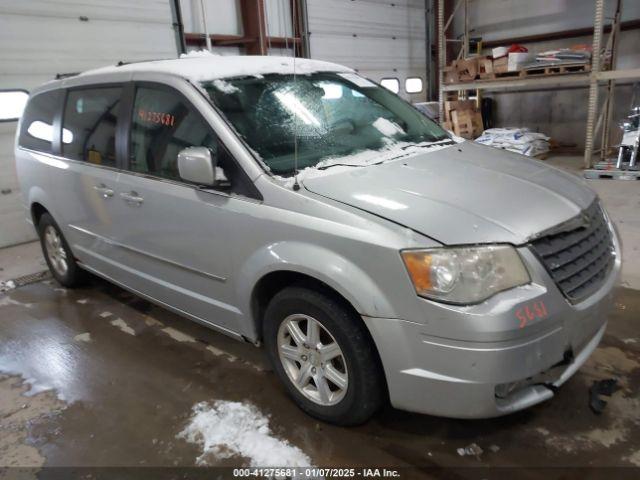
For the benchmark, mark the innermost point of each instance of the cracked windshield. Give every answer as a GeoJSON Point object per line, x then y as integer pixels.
{"type": "Point", "coordinates": [337, 119]}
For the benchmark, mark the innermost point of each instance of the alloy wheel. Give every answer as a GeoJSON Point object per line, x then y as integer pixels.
{"type": "Point", "coordinates": [55, 250]}
{"type": "Point", "coordinates": [312, 359]}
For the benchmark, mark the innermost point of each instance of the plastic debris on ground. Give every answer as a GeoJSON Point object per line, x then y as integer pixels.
{"type": "Point", "coordinates": [601, 387]}
{"type": "Point", "coordinates": [518, 140]}
{"type": "Point", "coordinates": [470, 450]}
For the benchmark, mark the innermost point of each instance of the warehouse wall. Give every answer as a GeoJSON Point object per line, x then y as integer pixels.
{"type": "Point", "coordinates": [40, 38]}
{"type": "Point", "coordinates": [558, 113]}
{"type": "Point", "coordinates": [379, 38]}
{"type": "Point", "coordinates": [224, 18]}
{"type": "Point", "coordinates": [498, 19]}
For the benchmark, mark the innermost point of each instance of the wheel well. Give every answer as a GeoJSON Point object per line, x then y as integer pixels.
{"type": "Point", "coordinates": [269, 285]}
{"type": "Point", "coordinates": [36, 212]}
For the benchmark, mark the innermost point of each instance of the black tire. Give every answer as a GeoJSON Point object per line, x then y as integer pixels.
{"type": "Point", "coordinates": [366, 385]}
{"type": "Point", "coordinates": [74, 275]}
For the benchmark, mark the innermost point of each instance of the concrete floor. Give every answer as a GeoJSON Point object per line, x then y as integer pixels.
{"type": "Point", "coordinates": [99, 377]}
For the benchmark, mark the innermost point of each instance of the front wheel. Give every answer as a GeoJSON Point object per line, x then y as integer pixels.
{"type": "Point", "coordinates": [324, 356]}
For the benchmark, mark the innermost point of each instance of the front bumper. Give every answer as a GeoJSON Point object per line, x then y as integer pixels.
{"type": "Point", "coordinates": [452, 364]}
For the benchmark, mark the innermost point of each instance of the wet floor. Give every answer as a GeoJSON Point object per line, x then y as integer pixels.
{"type": "Point", "coordinates": [99, 377]}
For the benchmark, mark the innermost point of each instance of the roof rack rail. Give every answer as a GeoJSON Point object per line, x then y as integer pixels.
{"type": "Point", "coordinates": [122, 62]}
{"type": "Point", "coordinates": [60, 76]}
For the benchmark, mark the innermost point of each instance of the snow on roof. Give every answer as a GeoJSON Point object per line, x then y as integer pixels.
{"type": "Point", "coordinates": [203, 66]}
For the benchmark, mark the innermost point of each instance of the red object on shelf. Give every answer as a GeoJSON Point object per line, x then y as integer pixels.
{"type": "Point", "coordinates": [515, 48]}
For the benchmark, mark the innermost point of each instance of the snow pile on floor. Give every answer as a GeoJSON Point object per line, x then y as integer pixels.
{"type": "Point", "coordinates": [518, 140]}
{"type": "Point", "coordinates": [6, 286]}
{"type": "Point", "coordinates": [225, 429]}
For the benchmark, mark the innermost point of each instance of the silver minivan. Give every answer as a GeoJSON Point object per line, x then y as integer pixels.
{"type": "Point", "coordinates": [299, 205]}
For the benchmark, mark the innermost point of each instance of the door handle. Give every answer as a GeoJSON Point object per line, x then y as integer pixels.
{"type": "Point", "coordinates": [132, 198]}
{"type": "Point", "coordinates": [103, 190]}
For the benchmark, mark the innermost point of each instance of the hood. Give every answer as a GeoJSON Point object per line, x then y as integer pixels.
{"type": "Point", "coordinates": [466, 193]}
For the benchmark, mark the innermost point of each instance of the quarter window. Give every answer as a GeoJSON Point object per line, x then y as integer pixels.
{"type": "Point", "coordinates": [89, 125]}
{"type": "Point", "coordinates": [413, 85]}
{"type": "Point", "coordinates": [36, 132]}
{"type": "Point", "coordinates": [163, 125]}
{"type": "Point", "coordinates": [391, 84]}
{"type": "Point", "coordinates": [12, 103]}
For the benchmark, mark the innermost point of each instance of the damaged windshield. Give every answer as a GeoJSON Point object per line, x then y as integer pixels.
{"type": "Point", "coordinates": [332, 115]}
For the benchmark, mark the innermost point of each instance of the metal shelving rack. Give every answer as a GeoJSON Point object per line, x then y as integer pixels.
{"type": "Point", "coordinates": [593, 80]}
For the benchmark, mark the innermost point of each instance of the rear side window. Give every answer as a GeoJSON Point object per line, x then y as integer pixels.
{"type": "Point", "coordinates": [36, 132]}
{"type": "Point", "coordinates": [164, 124]}
{"type": "Point", "coordinates": [89, 125]}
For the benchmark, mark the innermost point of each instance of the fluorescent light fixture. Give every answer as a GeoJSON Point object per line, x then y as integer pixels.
{"type": "Point", "coordinates": [12, 103]}
{"type": "Point", "coordinates": [291, 103]}
{"type": "Point", "coordinates": [332, 91]}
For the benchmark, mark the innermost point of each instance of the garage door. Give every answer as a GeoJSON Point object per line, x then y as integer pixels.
{"type": "Point", "coordinates": [383, 40]}
{"type": "Point", "coordinates": [41, 38]}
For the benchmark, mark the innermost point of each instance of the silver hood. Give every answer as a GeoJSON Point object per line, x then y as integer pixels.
{"type": "Point", "coordinates": [466, 193]}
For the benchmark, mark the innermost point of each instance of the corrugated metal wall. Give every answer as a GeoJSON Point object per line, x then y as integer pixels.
{"type": "Point", "coordinates": [499, 19]}
{"type": "Point", "coordinates": [379, 38]}
{"type": "Point", "coordinates": [40, 38]}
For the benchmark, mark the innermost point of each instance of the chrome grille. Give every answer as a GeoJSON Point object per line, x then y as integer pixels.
{"type": "Point", "coordinates": [579, 259]}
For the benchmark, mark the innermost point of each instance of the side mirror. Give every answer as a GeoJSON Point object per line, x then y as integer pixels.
{"type": "Point", "coordinates": [197, 165]}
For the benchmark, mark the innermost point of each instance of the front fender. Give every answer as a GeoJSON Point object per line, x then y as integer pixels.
{"type": "Point", "coordinates": [350, 281]}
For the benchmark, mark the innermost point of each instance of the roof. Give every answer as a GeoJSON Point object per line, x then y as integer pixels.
{"type": "Point", "coordinates": [204, 66]}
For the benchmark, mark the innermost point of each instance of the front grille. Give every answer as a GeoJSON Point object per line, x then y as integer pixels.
{"type": "Point", "coordinates": [579, 259]}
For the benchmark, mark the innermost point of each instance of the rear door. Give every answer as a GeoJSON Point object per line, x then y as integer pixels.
{"type": "Point", "coordinates": [84, 191]}
{"type": "Point", "coordinates": [175, 240]}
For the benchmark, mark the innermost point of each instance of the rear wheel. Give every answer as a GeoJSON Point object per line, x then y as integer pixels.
{"type": "Point", "coordinates": [324, 356]}
{"type": "Point", "coordinates": [57, 253]}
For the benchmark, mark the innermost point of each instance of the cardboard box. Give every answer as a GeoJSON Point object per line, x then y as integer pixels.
{"type": "Point", "coordinates": [467, 69]}
{"type": "Point", "coordinates": [517, 60]}
{"type": "Point", "coordinates": [462, 121]}
{"type": "Point", "coordinates": [451, 105]}
{"type": "Point", "coordinates": [501, 65]}
{"type": "Point", "coordinates": [499, 52]}
{"type": "Point", "coordinates": [485, 67]}
{"type": "Point", "coordinates": [451, 74]}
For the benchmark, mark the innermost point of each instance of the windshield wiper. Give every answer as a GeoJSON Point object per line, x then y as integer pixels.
{"type": "Point", "coordinates": [350, 165]}
{"type": "Point", "coordinates": [435, 143]}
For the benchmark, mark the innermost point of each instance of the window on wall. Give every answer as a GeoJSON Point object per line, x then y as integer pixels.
{"type": "Point", "coordinates": [163, 125]}
{"type": "Point", "coordinates": [36, 132]}
{"type": "Point", "coordinates": [413, 85]}
{"type": "Point", "coordinates": [90, 117]}
{"type": "Point", "coordinates": [12, 103]}
{"type": "Point", "coordinates": [391, 84]}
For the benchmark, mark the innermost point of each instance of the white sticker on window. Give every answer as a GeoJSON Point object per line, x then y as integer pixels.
{"type": "Point", "coordinates": [357, 80]}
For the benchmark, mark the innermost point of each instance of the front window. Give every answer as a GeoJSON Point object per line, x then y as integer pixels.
{"type": "Point", "coordinates": [323, 118]}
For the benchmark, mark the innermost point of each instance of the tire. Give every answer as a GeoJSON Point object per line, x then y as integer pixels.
{"type": "Point", "coordinates": [60, 260]}
{"type": "Point", "coordinates": [358, 362]}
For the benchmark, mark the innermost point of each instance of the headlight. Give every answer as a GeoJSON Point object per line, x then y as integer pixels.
{"type": "Point", "coordinates": [465, 275]}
